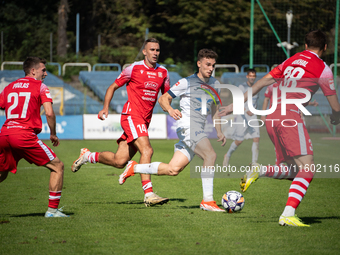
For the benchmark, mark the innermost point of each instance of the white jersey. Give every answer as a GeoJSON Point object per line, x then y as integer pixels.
{"type": "Point", "coordinates": [244, 87]}
{"type": "Point", "coordinates": [191, 91]}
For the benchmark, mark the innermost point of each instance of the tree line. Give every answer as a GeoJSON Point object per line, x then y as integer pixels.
{"type": "Point", "coordinates": [182, 26]}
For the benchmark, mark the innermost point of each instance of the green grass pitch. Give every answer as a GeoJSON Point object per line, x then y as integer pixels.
{"type": "Point", "coordinates": [107, 218]}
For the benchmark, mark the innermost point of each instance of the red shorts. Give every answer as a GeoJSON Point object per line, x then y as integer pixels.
{"type": "Point", "coordinates": [133, 127]}
{"type": "Point", "coordinates": [23, 145]}
{"type": "Point", "coordinates": [289, 135]}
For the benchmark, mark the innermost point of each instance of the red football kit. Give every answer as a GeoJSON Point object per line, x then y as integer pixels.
{"type": "Point", "coordinates": [288, 132]}
{"type": "Point", "coordinates": [143, 84]}
{"type": "Point", "coordinates": [22, 100]}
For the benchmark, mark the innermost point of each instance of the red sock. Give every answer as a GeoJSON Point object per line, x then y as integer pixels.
{"type": "Point", "coordinates": [277, 172]}
{"type": "Point", "coordinates": [93, 157]}
{"type": "Point", "coordinates": [147, 186]}
{"type": "Point", "coordinates": [299, 187]}
{"type": "Point", "coordinates": [54, 199]}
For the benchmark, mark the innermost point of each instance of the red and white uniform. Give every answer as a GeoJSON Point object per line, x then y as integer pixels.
{"type": "Point", "coordinates": [143, 84]}
{"type": "Point", "coordinates": [22, 100]}
{"type": "Point", "coordinates": [268, 93]}
{"type": "Point", "coordinates": [303, 70]}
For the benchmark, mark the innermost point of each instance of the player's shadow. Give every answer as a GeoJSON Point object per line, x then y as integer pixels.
{"type": "Point", "coordinates": [32, 215]}
{"type": "Point", "coordinates": [137, 202]}
{"type": "Point", "coordinates": [315, 220]}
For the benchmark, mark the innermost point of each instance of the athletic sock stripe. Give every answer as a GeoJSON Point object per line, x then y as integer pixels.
{"type": "Point", "coordinates": [54, 197]}
{"type": "Point", "coordinates": [299, 188]}
{"type": "Point", "coordinates": [302, 180]}
{"type": "Point", "coordinates": [295, 195]}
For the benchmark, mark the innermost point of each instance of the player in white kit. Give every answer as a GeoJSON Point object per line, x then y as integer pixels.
{"type": "Point", "coordinates": [190, 128]}
{"type": "Point", "coordinates": [242, 129]}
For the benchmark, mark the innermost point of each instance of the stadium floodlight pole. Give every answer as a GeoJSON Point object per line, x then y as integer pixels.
{"type": "Point", "coordinates": [273, 29]}
{"type": "Point", "coordinates": [77, 36]}
{"type": "Point", "coordinates": [289, 17]}
{"type": "Point", "coordinates": [336, 52]}
{"type": "Point", "coordinates": [251, 46]}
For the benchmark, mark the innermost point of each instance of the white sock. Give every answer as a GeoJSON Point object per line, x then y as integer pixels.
{"type": "Point", "coordinates": [208, 185]}
{"type": "Point", "coordinates": [232, 148]}
{"type": "Point", "coordinates": [151, 168]}
{"type": "Point", "coordinates": [255, 152]}
{"type": "Point", "coordinates": [288, 211]}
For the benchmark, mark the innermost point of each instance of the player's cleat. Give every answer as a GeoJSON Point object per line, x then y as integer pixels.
{"type": "Point", "coordinates": [293, 221]}
{"type": "Point", "coordinates": [127, 172]}
{"type": "Point", "coordinates": [155, 200]}
{"type": "Point", "coordinates": [210, 206]}
{"type": "Point", "coordinates": [225, 160]}
{"type": "Point", "coordinates": [57, 213]}
{"type": "Point", "coordinates": [250, 176]}
{"type": "Point", "coordinates": [80, 161]}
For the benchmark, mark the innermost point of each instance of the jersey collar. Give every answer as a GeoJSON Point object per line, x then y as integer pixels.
{"type": "Point", "coordinates": [157, 65]}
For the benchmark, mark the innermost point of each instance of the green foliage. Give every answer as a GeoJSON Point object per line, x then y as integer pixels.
{"type": "Point", "coordinates": [182, 26]}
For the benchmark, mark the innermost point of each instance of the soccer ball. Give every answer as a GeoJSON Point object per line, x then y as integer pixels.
{"type": "Point", "coordinates": [233, 201]}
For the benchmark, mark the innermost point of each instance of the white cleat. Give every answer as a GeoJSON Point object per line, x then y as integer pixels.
{"type": "Point", "coordinates": [57, 214]}
{"type": "Point", "coordinates": [80, 161]}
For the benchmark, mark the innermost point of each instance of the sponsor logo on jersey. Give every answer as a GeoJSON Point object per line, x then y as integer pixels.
{"type": "Point", "coordinates": [150, 84]}
{"type": "Point", "coordinates": [151, 73]}
{"type": "Point", "coordinates": [160, 74]}
{"type": "Point", "coordinates": [141, 71]}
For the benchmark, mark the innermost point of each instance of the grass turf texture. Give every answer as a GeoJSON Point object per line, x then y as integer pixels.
{"type": "Point", "coordinates": [107, 218]}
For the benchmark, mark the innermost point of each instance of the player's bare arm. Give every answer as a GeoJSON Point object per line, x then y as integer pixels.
{"type": "Point", "coordinates": [51, 121]}
{"type": "Point", "coordinates": [220, 135]}
{"type": "Point", "coordinates": [265, 81]}
{"type": "Point", "coordinates": [334, 103]}
{"type": "Point", "coordinates": [108, 97]}
{"type": "Point", "coordinates": [165, 102]}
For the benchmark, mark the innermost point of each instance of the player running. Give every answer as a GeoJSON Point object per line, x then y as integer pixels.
{"type": "Point", "coordinates": [21, 101]}
{"type": "Point", "coordinates": [303, 71]}
{"type": "Point", "coordinates": [143, 79]}
{"type": "Point", "coordinates": [241, 131]}
{"type": "Point", "coordinates": [190, 129]}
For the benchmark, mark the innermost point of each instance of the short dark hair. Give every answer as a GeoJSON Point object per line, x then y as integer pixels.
{"type": "Point", "coordinates": [251, 70]}
{"type": "Point", "coordinates": [206, 53]}
{"type": "Point", "coordinates": [150, 40]}
{"type": "Point", "coordinates": [316, 39]}
{"type": "Point", "coordinates": [32, 62]}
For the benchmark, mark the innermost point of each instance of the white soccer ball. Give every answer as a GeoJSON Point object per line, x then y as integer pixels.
{"type": "Point", "coordinates": [233, 201]}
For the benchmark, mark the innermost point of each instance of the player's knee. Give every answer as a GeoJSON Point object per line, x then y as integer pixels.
{"type": "Point", "coordinates": [210, 155]}
{"type": "Point", "coordinates": [60, 167]}
{"type": "Point", "coordinates": [120, 163]}
{"type": "Point", "coordinates": [147, 152]}
{"type": "Point", "coordinates": [174, 171]}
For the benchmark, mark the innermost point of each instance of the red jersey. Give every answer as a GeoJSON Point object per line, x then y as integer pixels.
{"type": "Point", "coordinates": [304, 70]}
{"type": "Point", "coordinates": [22, 100]}
{"type": "Point", "coordinates": [143, 85]}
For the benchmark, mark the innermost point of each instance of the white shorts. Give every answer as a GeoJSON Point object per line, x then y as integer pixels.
{"type": "Point", "coordinates": [240, 130]}
{"type": "Point", "coordinates": [188, 141]}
